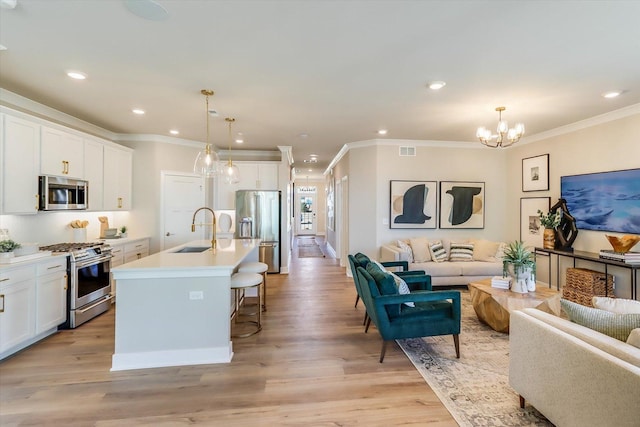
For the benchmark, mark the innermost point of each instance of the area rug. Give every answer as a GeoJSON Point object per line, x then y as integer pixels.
{"type": "Point", "coordinates": [475, 388]}
{"type": "Point", "coordinates": [309, 248]}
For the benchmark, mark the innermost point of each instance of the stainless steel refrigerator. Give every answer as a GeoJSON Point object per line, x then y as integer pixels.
{"type": "Point", "coordinates": [258, 217]}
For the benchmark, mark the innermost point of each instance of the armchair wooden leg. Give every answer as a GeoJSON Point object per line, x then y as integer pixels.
{"type": "Point", "coordinates": [384, 349]}
{"type": "Point", "coordinates": [456, 342]}
{"type": "Point", "coordinates": [521, 401]}
{"type": "Point", "coordinates": [364, 321]}
{"type": "Point", "coordinates": [357, 299]}
{"type": "Point", "coordinates": [366, 329]}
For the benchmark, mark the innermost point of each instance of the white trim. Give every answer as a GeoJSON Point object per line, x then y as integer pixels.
{"type": "Point", "coordinates": [583, 124]}
{"type": "Point", "coordinates": [331, 252]}
{"type": "Point", "coordinates": [126, 137]}
{"type": "Point", "coordinates": [160, 359]}
{"type": "Point", "coordinates": [287, 150]}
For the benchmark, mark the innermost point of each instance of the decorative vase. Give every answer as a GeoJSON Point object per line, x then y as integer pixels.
{"type": "Point", "coordinates": [5, 257]}
{"type": "Point", "coordinates": [549, 238]}
{"type": "Point", "coordinates": [531, 283]}
{"type": "Point", "coordinates": [123, 235]}
{"type": "Point", "coordinates": [520, 280]}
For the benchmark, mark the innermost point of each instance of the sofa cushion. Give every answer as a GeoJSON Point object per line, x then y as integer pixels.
{"type": "Point", "coordinates": [604, 342]}
{"type": "Point", "coordinates": [439, 269]}
{"type": "Point", "coordinates": [485, 250]}
{"type": "Point", "coordinates": [634, 338]}
{"type": "Point", "coordinates": [438, 252]}
{"type": "Point", "coordinates": [406, 248]}
{"type": "Point", "coordinates": [616, 305]}
{"type": "Point", "coordinates": [461, 251]}
{"type": "Point", "coordinates": [420, 249]}
{"type": "Point", "coordinates": [615, 325]}
{"type": "Point", "coordinates": [481, 268]}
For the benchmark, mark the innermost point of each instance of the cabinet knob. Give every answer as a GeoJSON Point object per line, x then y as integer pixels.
{"type": "Point", "coordinates": [170, 234]}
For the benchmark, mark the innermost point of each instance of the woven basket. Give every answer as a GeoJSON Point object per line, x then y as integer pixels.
{"type": "Point", "coordinates": [582, 285]}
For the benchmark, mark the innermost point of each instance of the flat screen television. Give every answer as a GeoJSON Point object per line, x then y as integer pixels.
{"type": "Point", "coordinates": [604, 201]}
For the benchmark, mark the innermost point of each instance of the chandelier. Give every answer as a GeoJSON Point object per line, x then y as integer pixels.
{"type": "Point", "coordinates": [230, 172]}
{"type": "Point", "coordinates": [206, 163]}
{"type": "Point", "coordinates": [505, 136]}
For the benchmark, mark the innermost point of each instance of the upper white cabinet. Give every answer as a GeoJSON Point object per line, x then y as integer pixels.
{"type": "Point", "coordinates": [118, 165]}
{"type": "Point", "coordinates": [253, 176]}
{"type": "Point", "coordinates": [61, 153]}
{"type": "Point", "coordinates": [93, 173]}
{"type": "Point", "coordinates": [20, 165]}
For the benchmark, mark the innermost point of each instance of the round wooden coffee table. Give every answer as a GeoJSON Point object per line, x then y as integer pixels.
{"type": "Point", "coordinates": [493, 305]}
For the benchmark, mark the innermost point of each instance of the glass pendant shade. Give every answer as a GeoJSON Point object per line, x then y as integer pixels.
{"type": "Point", "coordinates": [230, 173]}
{"type": "Point", "coordinates": [206, 163]}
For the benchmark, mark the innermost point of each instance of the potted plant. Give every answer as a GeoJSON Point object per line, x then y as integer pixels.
{"type": "Point", "coordinates": [123, 231]}
{"type": "Point", "coordinates": [519, 262]}
{"type": "Point", "coordinates": [6, 250]}
{"type": "Point", "coordinates": [550, 221]}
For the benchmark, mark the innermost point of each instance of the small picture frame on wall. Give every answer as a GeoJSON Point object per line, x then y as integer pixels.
{"type": "Point", "coordinates": [531, 229]}
{"type": "Point", "coordinates": [413, 204]}
{"type": "Point", "coordinates": [535, 173]}
{"type": "Point", "coordinates": [461, 204]}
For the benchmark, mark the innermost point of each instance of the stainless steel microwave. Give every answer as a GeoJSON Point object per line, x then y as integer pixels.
{"type": "Point", "coordinates": [56, 193]}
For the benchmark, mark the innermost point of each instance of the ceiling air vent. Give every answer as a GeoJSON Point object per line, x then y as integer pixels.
{"type": "Point", "coordinates": [407, 151]}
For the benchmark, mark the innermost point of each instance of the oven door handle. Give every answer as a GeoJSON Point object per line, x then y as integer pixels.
{"type": "Point", "coordinates": [106, 298]}
{"type": "Point", "coordinates": [92, 262]}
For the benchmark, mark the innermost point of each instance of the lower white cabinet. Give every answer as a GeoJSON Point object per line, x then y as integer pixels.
{"type": "Point", "coordinates": [127, 252]}
{"type": "Point", "coordinates": [17, 307]}
{"type": "Point", "coordinates": [33, 302]}
{"type": "Point", "coordinates": [51, 295]}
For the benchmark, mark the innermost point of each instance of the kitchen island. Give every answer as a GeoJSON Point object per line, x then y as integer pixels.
{"type": "Point", "coordinates": [173, 307]}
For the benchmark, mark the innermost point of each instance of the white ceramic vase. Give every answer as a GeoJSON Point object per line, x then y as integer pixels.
{"type": "Point", "coordinates": [5, 257]}
{"type": "Point", "coordinates": [520, 281]}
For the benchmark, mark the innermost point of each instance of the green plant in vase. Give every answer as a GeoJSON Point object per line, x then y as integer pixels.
{"type": "Point", "coordinates": [550, 221]}
{"type": "Point", "coordinates": [6, 249]}
{"type": "Point", "coordinates": [123, 231]}
{"type": "Point", "coordinates": [523, 265]}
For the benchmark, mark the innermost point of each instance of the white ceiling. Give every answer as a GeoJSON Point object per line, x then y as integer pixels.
{"type": "Point", "coordinates": [335, 70]}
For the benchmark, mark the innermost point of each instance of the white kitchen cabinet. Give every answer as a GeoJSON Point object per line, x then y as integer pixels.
{"type": "Point", "coordinates": [94, 173]}
{"type": "Point", "coordinates": [20, 165]}
{"type": "Point", "coordinates": [61, 153]}
{"type": "Point", "coordinates": [17, 307]}
{"type": "Point", "coordinates": [51, 294]}
{"type": "Point", "coordinates": [118, 163]}
{"type": "Point", "coordinates": [136, 250]}
{"type": "Point", "coordinates": [253, 176]}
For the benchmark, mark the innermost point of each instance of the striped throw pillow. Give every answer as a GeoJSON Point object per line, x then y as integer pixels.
{"type": "Point", "coordinates": [438, 252]}
{"type": "Point", "coordinates": [618, 326]}
{"type": "Point", "coordinates": [461, 251]}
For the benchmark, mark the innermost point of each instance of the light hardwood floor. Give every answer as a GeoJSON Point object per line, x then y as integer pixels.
{"type": "Point", "coordinates": [311, 365]}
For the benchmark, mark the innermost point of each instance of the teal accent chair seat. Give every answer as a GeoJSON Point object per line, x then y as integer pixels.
{"type": "Point", "coordinates": [435, 312]}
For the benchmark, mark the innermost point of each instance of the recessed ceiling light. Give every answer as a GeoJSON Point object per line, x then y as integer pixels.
{"type": "Point", "coordinates": [239, 140]}
{"type": "Point", "coordinates": [304, 135]}
{"type": "Point", "coordinates": [612, 94]}
{"type": "Point", "coordinates": [138, 111]}
{"type": "Point", "coordinates": [382, 132]}
{"type": "Point", "coordinates": [313, 155]}
{"type": "Point", "coordinates": [174, 132]}
{"type": "Point", "coordinates": [439, 84]}
{"type": "Point", "coordinates": [147, 9]}
{"type": "Point", "coordinates": [76, 75]}
{"type": "Point", "coordinates": [310, 170]}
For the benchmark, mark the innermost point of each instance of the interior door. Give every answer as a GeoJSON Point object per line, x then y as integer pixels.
{"type": "Point", "coordinates": [182, 194]}
{"type": "Point", "coordinates": [306, 207]}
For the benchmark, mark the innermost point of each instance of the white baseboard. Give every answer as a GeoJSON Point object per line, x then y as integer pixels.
{"type": "Point", "coordinates": [160, 359]}
{"type": "Point", "coordinates": [330, 250]}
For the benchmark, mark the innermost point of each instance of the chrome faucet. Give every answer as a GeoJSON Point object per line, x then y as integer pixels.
{"type": "Point", "coordinates": [212, 224]}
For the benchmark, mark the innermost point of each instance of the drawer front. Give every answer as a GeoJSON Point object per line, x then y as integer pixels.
{"type": "Point", "coordinates": [52, 266]}
{"type": "Point", "coordinates": [141, 246]}
{"type": "Point", "coordinates": [15, 275]}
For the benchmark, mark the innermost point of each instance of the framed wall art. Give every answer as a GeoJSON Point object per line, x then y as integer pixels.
{"type": "Point", "coordinates": [530, 228]}
{"type": "Point", "coordinates": [413, 204]}
{"type": "Point", "coordinates": [535, 173]}
{"type": "Point", "coordinates": [461, 204]}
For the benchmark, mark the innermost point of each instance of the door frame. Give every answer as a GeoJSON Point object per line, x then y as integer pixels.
{"type": "Point", "coordinates": [314, 195]}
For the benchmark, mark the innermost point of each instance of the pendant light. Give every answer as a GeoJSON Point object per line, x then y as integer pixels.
{"type": "Point", "coordinates": [206, 163]}
{"type": "Point", "coordinates": [230, 172]}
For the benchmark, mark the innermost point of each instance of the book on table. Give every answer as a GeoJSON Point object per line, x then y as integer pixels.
{"type": "Point", "coordinates": [627, 257]}
{"type": "Point", "coordinates": [501, 282]}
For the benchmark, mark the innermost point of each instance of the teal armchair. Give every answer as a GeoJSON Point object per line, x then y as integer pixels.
{"type": "Point", "coordinates": [435, 312]}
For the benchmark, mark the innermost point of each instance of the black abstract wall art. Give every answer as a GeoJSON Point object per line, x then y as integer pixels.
{"type": "Point", "coordinates": [413, 204]}
{"type": "Point", "coordinates": [461, 204]}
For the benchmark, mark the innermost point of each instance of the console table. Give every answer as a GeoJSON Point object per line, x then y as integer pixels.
{"type": "Point", "coordinates": [592, 257]}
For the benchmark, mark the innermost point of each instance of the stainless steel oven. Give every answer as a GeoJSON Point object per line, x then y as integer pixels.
{"type": "Point", "coordinates": [88, 268]}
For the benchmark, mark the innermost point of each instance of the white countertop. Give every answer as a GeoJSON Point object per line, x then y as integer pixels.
{"type": "Point", "coordinates": [168, 263]}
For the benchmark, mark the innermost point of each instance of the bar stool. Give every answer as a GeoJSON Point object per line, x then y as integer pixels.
{"type": "Point", "coordinates": [240, 282]}
{"type": "Point", "coordinates": [259, 268]}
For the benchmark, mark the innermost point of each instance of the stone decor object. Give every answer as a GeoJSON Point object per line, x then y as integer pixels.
{"type": "Point", "coordinates": [567, 231]}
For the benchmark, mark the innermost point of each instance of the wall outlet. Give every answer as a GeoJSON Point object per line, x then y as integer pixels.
{"type": "Point", "coordinates": [194, 295]}
{"type": "Point", "coordinates": [385, 221]}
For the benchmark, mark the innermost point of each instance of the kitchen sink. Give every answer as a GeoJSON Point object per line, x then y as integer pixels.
{"type": "Point", "coordinates": [192, 249]}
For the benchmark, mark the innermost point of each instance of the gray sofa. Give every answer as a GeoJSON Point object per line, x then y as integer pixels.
{"type": "Point", "coordinates": [573, 375]}
{"type": "Point", "coordinates": [447, 273]}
